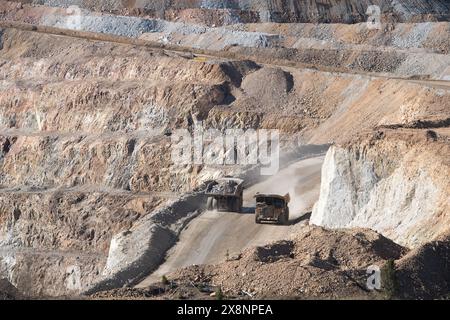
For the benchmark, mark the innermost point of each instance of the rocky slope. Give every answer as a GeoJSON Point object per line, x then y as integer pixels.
{"type": "Point", "coordinates": [64, 142]}
{"type": "Point", "coordinates": [335, 47]}
{"type": "Point", "coordinates": [226, 12]}
{"type": "Point", "coordinates": [395, 182]}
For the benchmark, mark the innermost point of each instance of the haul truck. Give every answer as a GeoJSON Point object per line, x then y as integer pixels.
{"type": "Point", "coordinates": [272, 208]}
{"type": "Point", "coordinates": [225, 194]}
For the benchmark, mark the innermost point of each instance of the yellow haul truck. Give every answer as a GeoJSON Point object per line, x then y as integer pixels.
{"type": "Point", "coordinates": [272, 208]}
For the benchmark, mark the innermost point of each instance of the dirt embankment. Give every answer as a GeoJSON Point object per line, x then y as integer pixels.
{"type": "Point", "coordinates": [316, 263]}
{"type": "Point", "coordinates": [425, 271]}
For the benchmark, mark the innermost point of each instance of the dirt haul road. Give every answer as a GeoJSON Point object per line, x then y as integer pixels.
{"type": "Point", "coordinates": [209, 238]}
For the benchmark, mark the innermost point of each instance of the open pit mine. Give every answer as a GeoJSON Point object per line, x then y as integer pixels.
{"type": "Point", "coordinates": [245, 149]}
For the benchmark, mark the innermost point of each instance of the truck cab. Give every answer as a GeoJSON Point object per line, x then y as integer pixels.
{"type": "Point", "coordinates": [272, 208]}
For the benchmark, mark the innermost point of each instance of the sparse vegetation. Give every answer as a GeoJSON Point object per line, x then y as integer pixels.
{"type": "Point", "coordinates": [219, 294]}
{"type": "Point", "coordinates": [389, 280]}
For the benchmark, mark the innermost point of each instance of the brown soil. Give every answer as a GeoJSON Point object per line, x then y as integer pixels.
{"type": "Point", "coordinates": [425, 271]}
{"type": "Point", "coordinates": [318, 264]}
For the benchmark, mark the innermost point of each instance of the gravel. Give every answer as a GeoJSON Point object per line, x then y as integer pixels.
{"type": "Point", "coordinates": [122, 26]}
{"type": "Point", "coordinates": [414, 38]}
{"type": "Point", "coordinates": [192, 34]}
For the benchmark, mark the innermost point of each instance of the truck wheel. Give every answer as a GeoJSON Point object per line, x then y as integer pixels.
{"type": "Point", "coordinates": [238, 206]}
{"type": "Point", "coordinates": [284, 219]}
{"type": "Point", "coordinates": [257, 221]}
{"type": "Point", "coordinates": [209, 203]}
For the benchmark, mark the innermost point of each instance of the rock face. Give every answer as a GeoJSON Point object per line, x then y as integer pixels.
{"type": "Point", "coordinates": [238, 11]}
{"type": "Point", "coordinates": [396, 184]}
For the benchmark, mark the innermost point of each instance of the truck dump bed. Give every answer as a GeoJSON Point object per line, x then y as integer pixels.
{"type": "Point", "coordinates": [225, 187]}
{"type": "Point", "coordinates": [225, 194]}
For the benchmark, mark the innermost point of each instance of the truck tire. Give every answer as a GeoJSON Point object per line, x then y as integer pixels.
{"type": "Point", "coordinates": [211, 204]}
{"type": "Point", "coordinates": [238, 206]}
{"type": "Point", "coordinates": [257, 221]}
{"type": "Point", "coordinates": [284, 218]}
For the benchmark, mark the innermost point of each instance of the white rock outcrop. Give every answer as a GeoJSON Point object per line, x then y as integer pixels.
{"type": "Point", "coordinates": [402, 198]}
